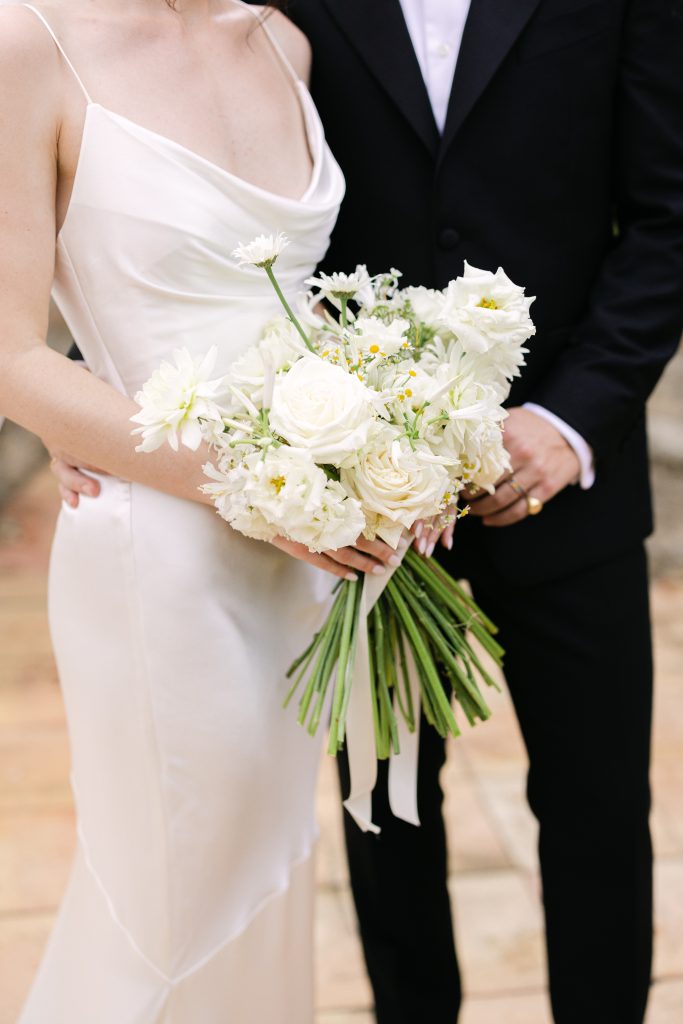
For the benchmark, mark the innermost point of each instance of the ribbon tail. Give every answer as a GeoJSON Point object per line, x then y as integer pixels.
{"type": "Point", "coordinates": [403, 767]}
{"type": "Point", "coordinates": [360, 730]}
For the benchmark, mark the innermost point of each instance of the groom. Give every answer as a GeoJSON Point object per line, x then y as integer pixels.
{"type": "Point", "coordinates": [544, 136]}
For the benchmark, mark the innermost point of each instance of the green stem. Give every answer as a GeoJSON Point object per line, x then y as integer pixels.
{"type": "Point", "coordinates": [342, 665]}
{"type": "Point", "coordinates": [436, 636]}
{"type": "Point", "coordinates": [352, 662]}
{"type": "Point", "coordinates": [288, 309]}
{"type": "Point", "coordinates": [423, 657]}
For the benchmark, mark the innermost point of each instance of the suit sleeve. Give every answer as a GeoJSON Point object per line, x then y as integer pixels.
{"type": "Point", "coordinates": [603, 378]}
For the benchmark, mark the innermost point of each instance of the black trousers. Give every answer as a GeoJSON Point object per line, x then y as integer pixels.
{"type": "Point", "coordinates": [579, 668]}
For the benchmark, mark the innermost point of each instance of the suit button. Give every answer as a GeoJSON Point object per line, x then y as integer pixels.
{"type": "Point", "coordinates": [448, 238]}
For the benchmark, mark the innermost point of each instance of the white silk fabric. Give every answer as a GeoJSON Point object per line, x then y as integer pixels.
{"type": "Point", "coordinates": [190, 897]}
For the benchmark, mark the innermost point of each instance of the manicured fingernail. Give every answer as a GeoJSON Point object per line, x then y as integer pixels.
{"type": "Point", "coordinates": [430, 550]}
{"type": "Point", "coordinates": [449, 543]}
{"type": "Point", "coordinates": [351, 577]}
{"type": "Point", "coordinates": [394, 560]}
{"type": "Point", "coordinates": [422, 546]}
{"type": "Point", "coordinates": [90, 490]}
{"type": "Point", "coordinates": [418, 530]}
{"type": "Point", "coordinates": [378, 570]}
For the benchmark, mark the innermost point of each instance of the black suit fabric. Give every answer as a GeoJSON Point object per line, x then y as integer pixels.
{"type": "Point", "coordinates": [562, 161]}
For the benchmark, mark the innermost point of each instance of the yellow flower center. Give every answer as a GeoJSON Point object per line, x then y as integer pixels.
{"type": "Point", "coordinates": [488, 304]}
{"type": "Point", "coordinates": [374, 349]}
{"type": "Point", "coordinates": [278, 482]}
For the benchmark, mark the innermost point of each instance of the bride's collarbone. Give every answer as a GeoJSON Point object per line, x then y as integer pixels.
{"type": "Point", "coordinates": [232, 102]}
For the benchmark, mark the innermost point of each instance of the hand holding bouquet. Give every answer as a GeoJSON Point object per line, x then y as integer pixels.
{"type": "Point", "coordinates": [361, 424]}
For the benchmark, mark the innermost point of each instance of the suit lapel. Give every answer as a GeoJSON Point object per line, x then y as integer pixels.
{"type": "Point", "coordinates": [378, 31]}
{"type": "Point", "coordinates": [491, 30]}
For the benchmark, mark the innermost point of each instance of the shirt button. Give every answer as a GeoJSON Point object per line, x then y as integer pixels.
{"type": "Point", "coordinates": [448, 238]}
{"type": "Point", "coordinates": [443, 50]}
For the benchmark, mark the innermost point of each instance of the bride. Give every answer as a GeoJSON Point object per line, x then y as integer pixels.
{"type": "Point", "coordinates": [142, 143]}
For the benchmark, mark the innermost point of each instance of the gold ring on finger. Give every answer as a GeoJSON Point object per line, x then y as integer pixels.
{"type": "Point", "coordinates": [534, 505]}
{"type": "Point", "coordinates": [516, 486]}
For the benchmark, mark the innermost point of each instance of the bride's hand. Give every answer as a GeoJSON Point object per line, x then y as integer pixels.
{"type": "Point", "coordinates": [370, 556]}
{"type": "Point", "coordinates": [366, 556]}
{"type": "Point", "coordinates": [73, 480]}
{"type": "Point", "coordinates": [428, 531]}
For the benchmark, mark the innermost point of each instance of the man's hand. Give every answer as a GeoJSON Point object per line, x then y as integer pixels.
{"type": "Point", "coordinates": [543, 464]}
{"type": "Point", "coordinates": [73, 480]}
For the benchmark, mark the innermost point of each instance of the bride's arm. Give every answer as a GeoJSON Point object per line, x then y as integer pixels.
{"type": "Point", "coordinates": [68, 408]}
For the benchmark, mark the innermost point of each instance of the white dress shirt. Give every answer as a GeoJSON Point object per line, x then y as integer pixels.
{"type": "Point", "coordinates": [436, 28]}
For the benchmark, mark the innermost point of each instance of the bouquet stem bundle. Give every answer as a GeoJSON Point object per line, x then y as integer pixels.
{"type": "Point", "coordinates": [423, 610]}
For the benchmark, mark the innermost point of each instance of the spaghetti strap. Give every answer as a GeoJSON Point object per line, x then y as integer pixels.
{"type": "Point", "coordinates": [263, 22]}
{"type": "Point", "coordinates": [59, 46]}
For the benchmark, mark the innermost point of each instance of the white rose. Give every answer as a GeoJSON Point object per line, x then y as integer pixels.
{"type": "Point", "coordinates": [323, 409]}
{"type": "Point", "coordinates": [484, 309]}
{"type": "Point", "coordinates": [396, 483]}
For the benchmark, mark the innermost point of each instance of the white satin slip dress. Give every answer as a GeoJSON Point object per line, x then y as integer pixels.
{"type": "Point", "coordinates": [190, 899]}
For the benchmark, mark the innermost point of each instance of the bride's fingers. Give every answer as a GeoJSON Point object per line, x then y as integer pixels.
{"type": "Point", "coordinates": [431, 539]}
{"type": "Point", "coordinates": [319, 560]}
{"type": "Point", "coordinates": [74, 480]}
{"type": "Point", "coordinates": [422, 530]}
{"type": "Point", "coordinates": [379, 550]}
{"type": "Point", "coordinates": [69, 498]}
{"type": "Point", "coordinates": [447, 536]}
{"type": "Point", "coordinates": [355, 559]}
{"type": "Point", "coordinates": [417, 528]}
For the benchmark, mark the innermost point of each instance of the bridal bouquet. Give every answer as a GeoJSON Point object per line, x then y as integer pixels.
{"type": "Point", "coordinates": [362, 423]}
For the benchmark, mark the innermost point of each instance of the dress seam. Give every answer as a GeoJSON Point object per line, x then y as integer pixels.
{"type": "Point", "coordinates": [251, 916]}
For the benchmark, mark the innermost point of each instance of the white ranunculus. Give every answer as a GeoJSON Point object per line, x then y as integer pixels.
{"type": "Point", "coordinates": [396, 483]}
{"type": "Point", "coordinates": [484, 310]}
{"type": "Point", "coordinates": [427, 304]}
{"type": "Point", "coordinates": [282, 492]}
{"type": "Point", "coordinates": [180, 401]}
{"type": "Point", "coordinates": [230, 493]}
{"type": "Point", "coordinates": [485, 458]}
{"type": "Point", "coordinates": [279, 348]}
{"type": "Point", "coordinates": [374, 337]}
{"type": "Point", "coordinates": [323, 409]}
{"type": "Point", "coordinates": [262, 251]}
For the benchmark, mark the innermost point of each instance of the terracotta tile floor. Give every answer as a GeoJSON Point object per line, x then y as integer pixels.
{"type": "Point", "coordinates": [492, 834]}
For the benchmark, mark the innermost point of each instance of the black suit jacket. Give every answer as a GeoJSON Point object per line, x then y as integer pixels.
{"type": "Point", "coordinates": [562, 161]}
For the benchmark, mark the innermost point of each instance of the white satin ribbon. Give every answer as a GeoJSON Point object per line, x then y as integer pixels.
{"type": "Point", "coordinates": [360, 731]}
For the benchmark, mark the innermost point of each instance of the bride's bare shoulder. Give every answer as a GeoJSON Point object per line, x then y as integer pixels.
{"type": "Point", "coordinates": [28, 57]}
{"type": "Point", "coordinates": [26, 48]}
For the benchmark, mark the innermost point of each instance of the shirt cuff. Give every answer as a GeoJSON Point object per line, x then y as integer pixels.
{"type": "Point", "coordinates": [582, 449]}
